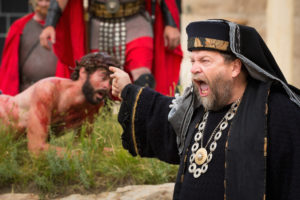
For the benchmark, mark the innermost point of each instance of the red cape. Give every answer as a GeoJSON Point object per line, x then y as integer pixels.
{"type": "Point", "coordinates": [71, 42]}
{"type": "Point", "coordinates": [70, 34]}
{"type": "Point", "coordinates": [9, 70]}
{"type": "Point", "coordinates": [166, 65]}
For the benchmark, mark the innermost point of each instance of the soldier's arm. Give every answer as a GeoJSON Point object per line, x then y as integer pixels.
{"type": "Point", "coordinates": [54, 13]}
{"type": "Point", "coordinates": [171, 30]}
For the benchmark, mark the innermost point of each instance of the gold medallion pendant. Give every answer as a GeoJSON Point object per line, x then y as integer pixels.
{"type": "Point", "coordinates": [201, 156]}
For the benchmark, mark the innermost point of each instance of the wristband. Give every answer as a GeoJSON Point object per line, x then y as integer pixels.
{"type": "Point", "coordinates": [54, 13]}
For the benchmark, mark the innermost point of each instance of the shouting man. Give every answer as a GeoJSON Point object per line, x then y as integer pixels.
{"type": "Point", "coordinates": [59, 102]}
{"type": "Point", "coordinates": [234, 132]}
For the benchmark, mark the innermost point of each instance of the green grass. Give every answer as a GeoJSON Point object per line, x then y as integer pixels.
{"type": "Point", "coordinates": [90, 170]}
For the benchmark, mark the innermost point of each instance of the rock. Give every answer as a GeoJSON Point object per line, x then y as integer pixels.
{"type": "Point", "coordinates": [19, 196]}
{"type": "Point", "coordinates": [132, 192]}
{"type": "Point", "coordinates": [140, 192]}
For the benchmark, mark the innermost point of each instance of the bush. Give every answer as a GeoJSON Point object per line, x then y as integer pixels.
{"type": "Point", "coordinates": [91, 169]}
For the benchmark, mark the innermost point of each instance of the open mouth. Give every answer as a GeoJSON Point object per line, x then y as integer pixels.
{"type": "Point", "coordinates": [203, 87]}
{"type": "Point", "coordinates": [100, 94]}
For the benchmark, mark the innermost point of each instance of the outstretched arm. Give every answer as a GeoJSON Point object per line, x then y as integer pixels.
{"type": "Point", "coordinates": [144, 118]}
{"type": "Point", "coordinates": [54, 12]}
{"type": "Point", "coordinates": [120, 80]}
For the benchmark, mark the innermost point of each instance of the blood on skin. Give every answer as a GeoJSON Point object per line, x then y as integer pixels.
{"type": "Point", "coordinates": [42, 116]}
{"type": "Point", "coordinates": [43, 110]}
{"type": "Point", "coordinates": [9, 111]}
{"type": "Point", "coordinates": [75, 116]}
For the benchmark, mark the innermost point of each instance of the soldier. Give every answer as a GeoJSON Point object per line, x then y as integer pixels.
{"type": "Point", "coordinates": [24, 60]}
{"type": "Point", "coordinates": [122, 28]}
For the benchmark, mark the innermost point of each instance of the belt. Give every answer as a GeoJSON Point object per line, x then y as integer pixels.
{"type": "Point", "coordinates": [115, 9]}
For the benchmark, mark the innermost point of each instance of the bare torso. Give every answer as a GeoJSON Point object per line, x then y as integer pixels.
{"type": "Point", "coordinates": [50, 102]}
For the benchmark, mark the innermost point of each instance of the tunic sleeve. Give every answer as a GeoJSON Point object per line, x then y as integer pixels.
{"type": "Point", "coordinates": [143, 116]}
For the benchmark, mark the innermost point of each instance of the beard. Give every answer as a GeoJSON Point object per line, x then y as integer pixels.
{"type": "Point", "coordinates": [89, 93]}
{"type": "Point", "coordinates": [221, 93]}
{"type": "Point", "coordinates": [42, 11]}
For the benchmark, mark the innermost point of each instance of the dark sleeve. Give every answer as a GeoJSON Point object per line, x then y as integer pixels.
{"type": "Point", "coordinates": [168, 18]}
{"type": "Point", "coordinates": [283, 158]}
{"type": "Point", "coordinates": [143, 116]}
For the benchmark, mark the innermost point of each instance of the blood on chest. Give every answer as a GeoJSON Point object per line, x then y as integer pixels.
{"type": "Point", "coordinates": [73, 117]}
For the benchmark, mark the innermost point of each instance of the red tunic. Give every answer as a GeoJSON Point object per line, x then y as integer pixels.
{"type": "Point", "coordinates": [70, 43]}
{"type": "Point", "coordinates": [9, 70]}
{"type": "Point", "coordinates": [166, 65]}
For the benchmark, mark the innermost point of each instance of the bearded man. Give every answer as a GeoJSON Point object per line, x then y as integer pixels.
{"type": "Point", "coordinates": [234, 132]}
{"type": "Point", "coordinates": [59, 102]}
{"type": "Point", "coordinates": [24, 60]}
{"type": "Point", "coordinates": [144, 35]}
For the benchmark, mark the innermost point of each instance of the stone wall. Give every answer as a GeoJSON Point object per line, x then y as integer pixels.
{"type": "Point", "coordinates": [296, 68]}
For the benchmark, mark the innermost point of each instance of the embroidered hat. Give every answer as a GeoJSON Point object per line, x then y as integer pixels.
{"type": "Point", "coordinates": [246, 44]}
{"type": "Point", "coordinates": [208, 35]}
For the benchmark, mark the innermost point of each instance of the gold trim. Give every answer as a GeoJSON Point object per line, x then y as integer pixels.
{"type": "Point", "coordinates": [181, 178]}
{"type": "Point", "coordinates": [99, 9]}
{"type": "Point", "coordinates": [265, 146]}
{"type": "Point", "coordinates": [132, 121]}
{"type": "Point", "coordinates": [218, 44]}
{"type": "Point", "coordinates": [198, 42]}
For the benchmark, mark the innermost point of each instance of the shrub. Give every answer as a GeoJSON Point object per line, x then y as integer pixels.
{"type": "Point", "coordinates": [90, 168]}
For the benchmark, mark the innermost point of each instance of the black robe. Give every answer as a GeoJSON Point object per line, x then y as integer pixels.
{"type": "Point", "coordinates": [147, 132]}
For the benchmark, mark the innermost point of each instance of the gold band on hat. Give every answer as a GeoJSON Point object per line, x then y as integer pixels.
{"type": "Point", "coordinates": [201, 42]}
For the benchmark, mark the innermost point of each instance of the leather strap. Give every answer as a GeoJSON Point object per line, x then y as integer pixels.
{"type": "Point", "coordinates": [54, 13]}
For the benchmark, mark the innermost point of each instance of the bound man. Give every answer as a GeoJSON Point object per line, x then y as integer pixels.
{"type": "Point", "coordinates": [144, 35]}
{"type": "Point", "coordinates": [59, 103]}
{"type": "Point", "coordinates": [234, 132]}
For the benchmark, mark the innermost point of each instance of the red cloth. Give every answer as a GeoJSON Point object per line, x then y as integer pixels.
{"type": "Point", "coordinates": [9, 70]}
{"type": "Point", "coordinates": [70, 34]}
{"type": "Point", "coordinates": [166, 65]}
{"type": "Point", "coordinates": [139, 52]}
{"type": "Point", "coordinates": [71, 42]}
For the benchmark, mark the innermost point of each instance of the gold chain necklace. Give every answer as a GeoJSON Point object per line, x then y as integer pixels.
{"type": "Point", "coordinates": [200, 156]}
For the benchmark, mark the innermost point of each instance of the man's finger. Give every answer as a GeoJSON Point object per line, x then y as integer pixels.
{"type": "Point", "coordinates": [173, 44]}
{"type": "Point", "coordinates": [113, 76]}
{"type": "Point", "coordinates": [111, 68]}
{"type": "Point", "coordinates": [114, 69]}
{"type": "Point", "coordinates": [115, 93]}
{"type": "Point", "coordinates": [114, 82]}
{"type": "Point", "coordinates": [53, 37]}
{"type": "Point", "coordinates": [166, 41]}
{"type": "Point", "coordinates": [45, 44]}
